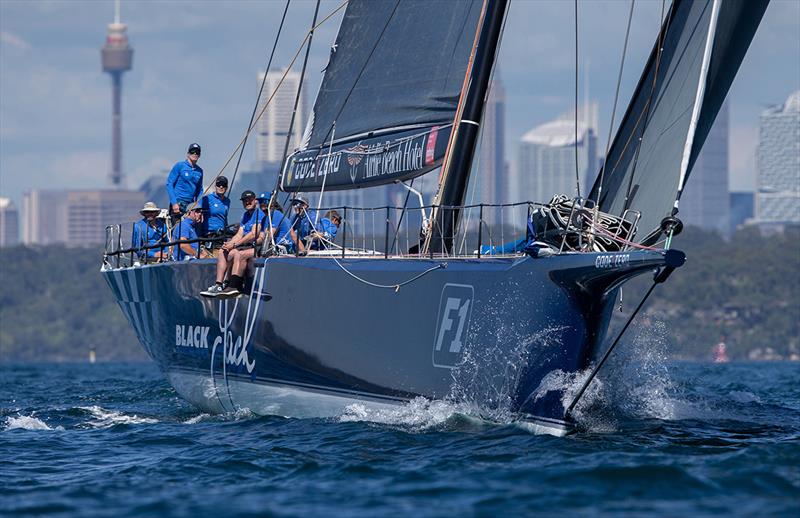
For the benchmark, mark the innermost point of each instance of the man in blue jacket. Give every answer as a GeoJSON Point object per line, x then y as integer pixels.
{"type": "Point", "coordinates": [184, 183]}
{"type": "Point", "coordinates": [187, 231]}
{"type": "Point", "coordinates": [149, 231]}
{"type": "Point", "coordinates": [215, 213]}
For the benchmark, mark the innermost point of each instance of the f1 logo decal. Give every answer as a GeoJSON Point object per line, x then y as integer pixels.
{"type": "Point", "coordinates": [455, 308]}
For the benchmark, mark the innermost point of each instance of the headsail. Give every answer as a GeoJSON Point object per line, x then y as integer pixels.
{"type": "Point", "coordinates": [387, 101]}
{"type": "Point", "coordinates": [684, 83]}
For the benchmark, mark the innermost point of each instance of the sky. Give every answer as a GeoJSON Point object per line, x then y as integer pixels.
{"type": "Point", "coordinates": [195, 66]}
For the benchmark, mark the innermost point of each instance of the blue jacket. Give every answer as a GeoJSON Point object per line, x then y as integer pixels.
{"type": "Point", "coordinates": [302, 223]}
{"type": "Point", "coordinates": [147, 235]}
{"type": "Point", "coordinates": [184, 183]}
{"type": "Point", "coordinates": [215, 213]}
{"type": "Point", "coordinates": [186, 230]}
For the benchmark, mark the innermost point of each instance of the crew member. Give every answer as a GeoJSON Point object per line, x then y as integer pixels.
{"type": "Point", "coordinates": [187, 231]}
{"type": "Point", "coordinates": [302, 224]}
{"type": "Point", "coordinates": [215, 213]}
{"type": "Point", "coordinates": [249, 229]}
{"type": "Point", "coordinates": [184, 183]}
{"type": "Point", "coordinates": [326, 230]}
{"type": "Point", "coordinates": [149, 231]}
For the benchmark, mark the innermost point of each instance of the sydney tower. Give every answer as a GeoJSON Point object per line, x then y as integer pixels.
{"type": "Point", "coordinates": [117, 58]}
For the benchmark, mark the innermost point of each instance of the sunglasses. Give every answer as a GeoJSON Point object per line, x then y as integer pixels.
{"type": "Point", "coordinates": [194, 153]}
{"type": "Point", "coordinates": [222, 185]}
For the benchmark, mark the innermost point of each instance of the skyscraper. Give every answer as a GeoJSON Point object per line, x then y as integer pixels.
{"type": "Point", "coordinates": [273, 126]}
{"type": "Point", "coordinates": [778, 196]}
{"type": "Point", "coordinates": [9, 223]}
{"type": "Point", "coordinates": [705, 201]}
{"type": "Point", "coordinates": [493, 187]}
{"type": "Point", "coordinates": [77, 218]}
{"type": "Point", "coordinates": [547, 158]}
{"type": "Point", "coordinates": [117, 57]}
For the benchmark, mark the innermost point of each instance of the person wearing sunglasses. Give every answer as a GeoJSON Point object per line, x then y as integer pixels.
{"type": "Point", "coordinates": [249, 229]}
{"type": "Point", "coordinates": [215, 211]}
{"type": "Point", "coordinates": [184, 183]}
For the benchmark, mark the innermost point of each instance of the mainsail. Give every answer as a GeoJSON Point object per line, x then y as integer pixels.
{"type": "Point", "coordinates": [685, 81]}
{"type": "Point", "coordinates": [385, 109]}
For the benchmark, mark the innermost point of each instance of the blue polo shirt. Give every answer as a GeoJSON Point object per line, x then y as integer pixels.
{"type": "Point", "coordinates": [281, 225]}
{"type": "Point", "coordinates": [184, 183]}
{"type": "Point", "coordinates": [185, 230]}
{"type": "Point", "coordinates": [251, 218]}
{"type": "Point", "coordinates": [328, 229]}
{"type": "Point", "coordinates": [147, 235]}
{"type": "Point", "coordinates": [215, 213]}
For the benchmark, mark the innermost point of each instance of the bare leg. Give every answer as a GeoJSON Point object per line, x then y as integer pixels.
{"type": "Point", "coordinates": [240, 262]}
{"type": "Point", "coordinates": [222, 264]}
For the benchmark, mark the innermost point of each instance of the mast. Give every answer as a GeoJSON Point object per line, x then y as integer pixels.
{"type": "Point", "coordinates": [456, 168]}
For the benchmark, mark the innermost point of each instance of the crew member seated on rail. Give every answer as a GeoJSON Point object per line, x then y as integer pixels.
{"type": "Point", "coordinates": [215, 214]}
{"type": "Point", "coordinates": [184, 183]}
{"type": "Point", "coordinates": [302, 224]}
{"type": "Point", "coordinates": [150, 230]}
{"type": "Point", "coordinates": [187, 231]}
{"type": "Point", "coordinates": [280, 227]}
{"type": "Point", "coordinates": [249, 229]}
{"type": "Point", "coordinates": [325, 232]}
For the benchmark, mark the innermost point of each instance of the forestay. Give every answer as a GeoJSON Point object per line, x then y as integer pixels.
{"type": "Point", "coordinates": [388, 98]}
{"type": "Point", "coordinates": [682, 87]}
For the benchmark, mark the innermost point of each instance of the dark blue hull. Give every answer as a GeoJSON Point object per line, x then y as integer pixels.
{"type": "Point", "coordinates": [316, 334]}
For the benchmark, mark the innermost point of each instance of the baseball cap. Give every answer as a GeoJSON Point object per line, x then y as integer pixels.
{"type": "Point", "coordinates": [298, 200]}
{"type": "Point", "coordinates": [264, 196]}
{"type": "Point", "coordinates": [247, 194]}
{"type": "Point", "coordinates": [221, 180]}
{"type": "Point", "coordinates": [194, 148]}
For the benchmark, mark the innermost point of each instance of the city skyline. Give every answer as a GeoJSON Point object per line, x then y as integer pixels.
{"type": "Point", "coordinates": [187, 89]}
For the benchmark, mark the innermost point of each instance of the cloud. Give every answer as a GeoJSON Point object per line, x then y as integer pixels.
{"type": "Point", "coordinates": [7, 38]}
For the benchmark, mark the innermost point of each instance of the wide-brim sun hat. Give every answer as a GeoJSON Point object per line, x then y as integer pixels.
{"type": "Point", "coordinates": [149, 207]}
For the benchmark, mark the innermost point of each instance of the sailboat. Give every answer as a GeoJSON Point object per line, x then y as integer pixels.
{"type": "Point", "coordinates": [380, 321]}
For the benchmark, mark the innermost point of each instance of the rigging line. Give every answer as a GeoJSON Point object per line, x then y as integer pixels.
{"type": "Point", "coordinates": [594, 372]}
{"type": "Point", "coordinates": [395, 287]}
{"type": "Point", "coordinates": [614, 109]}
{"type": "Point", "coordinates": [661, 36]}
{"type": "Point", "coordinates": [272, 96]}
{"type": "Point", "coordinates": [300, 86]}
{"type": "Point", "coordinates": [646, 106]}
{"type": "Point", "coordinates": [402, 214]}
{"type": "Point", "coordinates": [260, 92]}
{"type": "Point", "coordinates": [577, 173]}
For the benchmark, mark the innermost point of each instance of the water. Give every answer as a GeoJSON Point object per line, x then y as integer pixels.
{"type": "Point", "coordinates": [658, 437]}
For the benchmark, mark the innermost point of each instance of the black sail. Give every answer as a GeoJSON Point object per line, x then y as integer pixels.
{"type": "Point", "coordinates": [682, 87]}
{"type": "Point", "coordinates": [385, 108]}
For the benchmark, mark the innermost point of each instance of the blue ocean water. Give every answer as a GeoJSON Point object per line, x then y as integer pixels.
{"type": "Point", "coordinates": [658, 438]}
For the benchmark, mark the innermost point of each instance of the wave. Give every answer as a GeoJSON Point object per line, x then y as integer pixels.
{"type": "Point", "coordinates": [419, 414]}
{"type": "Point", "coordinates": [24, 422]}
{"type": "Point", "coordinates": [103, 418]}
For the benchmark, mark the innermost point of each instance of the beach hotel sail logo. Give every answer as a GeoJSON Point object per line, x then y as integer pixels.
{"type": "Point", "coordinates": [355, 155]}
{"type": "Point", "coordinates": [455, 308]}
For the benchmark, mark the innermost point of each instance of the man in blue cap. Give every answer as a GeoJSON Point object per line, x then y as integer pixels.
{"type": "Point", "coordinates": [215, 213]}
{"type": "Point", "coordinates": [249, 230]}
{"type": "Point", "coordinates": [187, 231]}
{"type": "Point", "coordinates": [184, 183]}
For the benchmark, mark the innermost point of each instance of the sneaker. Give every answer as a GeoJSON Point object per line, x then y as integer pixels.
{"type": "Point", "coordinates": [212, 291]}
{"type": "Point", "coordinates": [229, 292]}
